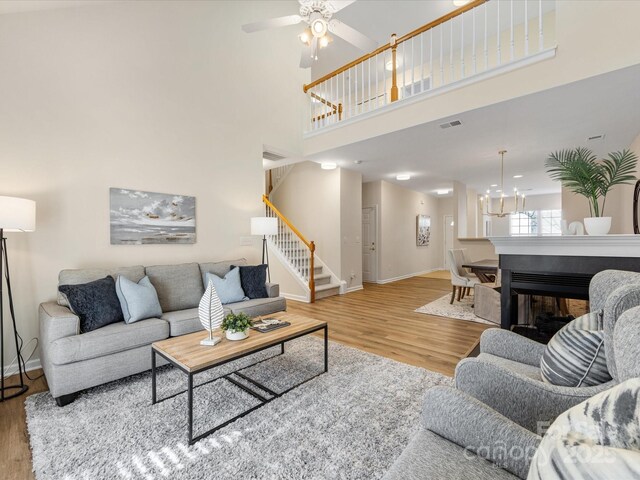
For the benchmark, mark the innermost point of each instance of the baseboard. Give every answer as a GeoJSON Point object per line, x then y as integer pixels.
{"type": "Point", "coordinates": [32, 364]}
{"type": "Point", "coordinates": [354, 289]}
{"type": "Point", "coordinates": [297, 298]}
{"type": "Point", "coordinates": [410, 275]}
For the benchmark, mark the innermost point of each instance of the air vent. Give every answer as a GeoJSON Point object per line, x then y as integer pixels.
{"type": "Point", "coordinates": [455, 123]}
{"type": "Point", "coordinates": [595, 137]}
{"type": "Point", "coordinates": [272, 156]}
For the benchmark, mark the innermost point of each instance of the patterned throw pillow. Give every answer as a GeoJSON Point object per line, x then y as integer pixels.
{"type": "Point", "coordinates": [575, 355]}
{"type": "Point", "coordinates": [95, 303]}
{"type": "Point", "coordinates": [598, 439]}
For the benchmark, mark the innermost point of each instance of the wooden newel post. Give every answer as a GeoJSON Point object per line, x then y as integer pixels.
{"type": "Point", "coordinates": [394, 63]}
{"type": "Point", "coordinates": [312, 280]}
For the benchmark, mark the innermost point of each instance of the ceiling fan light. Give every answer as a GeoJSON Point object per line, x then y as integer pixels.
{"type": "Point", "coordinates": [305, 36]}
{"type": "Point", "coordinates": [319, 27]}
{"type": "Point", "coordinates": [324, 41]}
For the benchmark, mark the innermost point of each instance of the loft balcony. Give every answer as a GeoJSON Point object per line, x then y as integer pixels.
{"type": "Point", "coordinates": [478, 41]}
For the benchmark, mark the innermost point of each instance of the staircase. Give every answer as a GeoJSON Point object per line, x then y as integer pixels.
{"type": "Point", "coordinates": [298, 255]}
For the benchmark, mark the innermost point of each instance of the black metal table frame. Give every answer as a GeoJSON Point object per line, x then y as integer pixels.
{"type": "Point", "coordinates": [263, 400]}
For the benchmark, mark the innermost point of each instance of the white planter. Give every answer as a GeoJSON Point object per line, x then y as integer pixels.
{"type": "Point", "coordinates": [233, 335]}
{"type": "Point", "coordinates": [597, 225]}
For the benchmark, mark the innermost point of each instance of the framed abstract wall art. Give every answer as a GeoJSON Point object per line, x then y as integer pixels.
{"type": "Point", "coordinates": [423, 230]}
{"type": "Point", "coordinates": [142, 218]}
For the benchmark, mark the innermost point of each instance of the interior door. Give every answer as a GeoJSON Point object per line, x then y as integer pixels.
{"type": "Point", "coordinates": [369, 247]}
{"type": "Point", "coordinates": [448, 238]}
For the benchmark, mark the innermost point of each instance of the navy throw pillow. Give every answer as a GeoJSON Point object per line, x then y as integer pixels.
{"type": "Point", "coordinates": [253, 280]}
{"type": "Point", "coordinates": [96, 303]}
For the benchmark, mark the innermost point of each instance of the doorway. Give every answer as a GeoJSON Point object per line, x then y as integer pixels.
{"type": "Point", "coordinates": [448, 238]}
{"type": "Point", "coordinates": [370, 244]}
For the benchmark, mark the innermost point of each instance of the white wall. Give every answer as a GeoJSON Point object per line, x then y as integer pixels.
{"type": "Point", "coordinates": [161, 96]}
{"type": "Point", "coordinates": [326, 206]}
{"type": "Point", "coordinates": [398, 254]}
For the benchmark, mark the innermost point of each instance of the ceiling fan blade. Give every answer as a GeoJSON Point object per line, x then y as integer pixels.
{"type": "Point", "coordinates": [306, 60]}
{"type": "Point", "coordinates": [272, 23]}
{"type": "Point", "coordinates": [337, 5]}
{"type": "Point", "coordinates": [352, 35]}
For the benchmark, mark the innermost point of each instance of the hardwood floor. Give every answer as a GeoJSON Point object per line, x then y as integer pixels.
{"type": "Point", "coordinates": [379, 319]}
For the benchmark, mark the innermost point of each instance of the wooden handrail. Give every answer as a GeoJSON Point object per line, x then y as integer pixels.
{"type": "Point", "coordinates": [404, 38]}
{"type": "Point", "coordinates": [310, 245]}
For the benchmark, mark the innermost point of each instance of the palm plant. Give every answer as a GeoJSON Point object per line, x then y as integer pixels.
{"type": "Point", "coordinates": [581, 172]}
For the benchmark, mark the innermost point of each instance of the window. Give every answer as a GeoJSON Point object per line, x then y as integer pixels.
{"type": "Point", "coordinates": [536, 222]}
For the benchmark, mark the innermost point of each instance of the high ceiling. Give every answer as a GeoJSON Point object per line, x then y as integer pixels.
{"type": "Point", "coordinates": [529, 128]}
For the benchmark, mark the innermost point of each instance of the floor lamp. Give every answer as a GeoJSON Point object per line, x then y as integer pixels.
{"type": "Point", "coordinates": [264, 226]}
{"type": "Point", "coordinates": [16, 215]}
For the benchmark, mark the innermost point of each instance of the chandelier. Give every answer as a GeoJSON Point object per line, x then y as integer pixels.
{"type": "Point", "coordinates": [485, 202]}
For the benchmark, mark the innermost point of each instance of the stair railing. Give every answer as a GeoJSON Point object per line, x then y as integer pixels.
{"type": "Point", "coordinates": [297, 249]}
{"type": "Point", "coordinates": [478, 37]}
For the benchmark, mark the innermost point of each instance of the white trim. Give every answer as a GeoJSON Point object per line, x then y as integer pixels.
{"type": "Point", "coordinates": [410, 275]}
{"type": "Point", "coordinates": [354, 289]}
{"type": "Point", "coordinates": [478, 77]}
{"type": "Point", "coordinates": [569, 245]}
{"type": "Point", "coordinates": [32, 364]}
{"type": "Point", "coordinates": [297, 298]}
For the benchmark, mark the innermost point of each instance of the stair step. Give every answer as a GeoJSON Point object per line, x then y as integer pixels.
{"type": "Point", "coordinates": [322, 279]}
{"type": "Point", "coordinates": [329, 290]}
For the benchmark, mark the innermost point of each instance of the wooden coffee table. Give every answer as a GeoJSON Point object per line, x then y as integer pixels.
{"type": "Point", "coordinates": [186, 354]}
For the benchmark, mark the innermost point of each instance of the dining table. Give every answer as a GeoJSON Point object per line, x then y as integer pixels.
{"type": "Point", "coordinates": [486, 270]}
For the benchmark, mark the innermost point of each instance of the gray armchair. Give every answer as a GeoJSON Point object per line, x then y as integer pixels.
{"type": "Point", "coordinates": [506, 375]}
{"type": "Point", "coordinates": [460, 437]}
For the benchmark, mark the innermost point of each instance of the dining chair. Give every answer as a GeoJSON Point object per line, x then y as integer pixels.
{"type": "Point", "coordinates": [460, 279]}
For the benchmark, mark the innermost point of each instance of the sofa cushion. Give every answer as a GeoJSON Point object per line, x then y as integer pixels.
{"type": "Point", "coordinates": [86, 275]}
{"type": "Point", "coordinates": [254, 280]}
{"type": "Point", "coordinates": [113, 338]}
{"type": "Point", "coordinates": [137, 300]}
{"type": "Point", "coordinates": [228, 288]}
{"type": "Point", "coordinates": [259, 306]}
{"type": "Point", "coordinates": [219, 268]}
{"type": "Point", "coordinates": [182, 322]}
{"type": "Point", "coordinates": [95, 303]}
{"type": "Point", "coordinates": [575, 356]}
{"type": "Point", "coordinates": [179, 287]}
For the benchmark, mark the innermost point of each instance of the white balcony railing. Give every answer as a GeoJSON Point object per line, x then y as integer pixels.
{"type": "Point", "coordinates": [479, 39]}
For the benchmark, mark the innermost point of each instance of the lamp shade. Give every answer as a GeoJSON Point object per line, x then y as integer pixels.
{"type": "Point", "coordinates": [17, 214]}
{"type": "Point", "coordinates": [264, 226]}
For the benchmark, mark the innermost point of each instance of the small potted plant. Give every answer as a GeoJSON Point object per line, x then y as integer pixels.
{"type": "Point", "coordinates": [235, 326]}
{"type": "Point", "coordinates": [580, 171]}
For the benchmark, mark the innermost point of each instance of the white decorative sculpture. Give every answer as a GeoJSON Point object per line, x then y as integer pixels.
{"type": "Point", "coordinates": [575, 228]}
{"type": "Point", "coordinates": [211, 313]}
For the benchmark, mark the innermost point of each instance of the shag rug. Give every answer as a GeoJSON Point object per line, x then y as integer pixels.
{"type": "Point", "coordinates": [350, 423]}
{"type": "Point", "coordinates": [460, 310]}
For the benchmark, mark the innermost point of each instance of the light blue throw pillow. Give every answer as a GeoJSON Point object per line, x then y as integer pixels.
{"type": "Point", "coordinates": [229, 288]}
{"type": "Point", "coordinates": [137, 300]}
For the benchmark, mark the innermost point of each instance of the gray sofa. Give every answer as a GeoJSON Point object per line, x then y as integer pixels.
{"type": "Point", "coordinates": [73, 361]}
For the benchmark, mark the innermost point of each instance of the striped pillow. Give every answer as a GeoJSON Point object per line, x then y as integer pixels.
{"type": "Point", "coordinates": [575, 355]}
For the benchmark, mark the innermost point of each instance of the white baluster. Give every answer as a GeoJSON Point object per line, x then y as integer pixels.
{"type": "Point", "coordinates": [404, 68]}
{"type": "Point", "coordinates": [499, 60]}
{"type": "Point", "coordinates": [526, 28]}
{"type": "Point", "coordinates": [344, 95]}
{"type": "Point", "coordinates": [540, 31]}
{"type": "Point", "coordinates": [413, 81]}
{"type": "Point", "coordinates": [362, 107]}
{"type": "Point", "coordinates": [473, 46]}
{"type": "Point", "coordinates": [355, 106]}
{"type": "Point", "coordinates": [369, 83]}
{"type": "Point", "coordinates": [384, 75]}
{"type": "Point", "coordinates": [377, 67]}
{"type": "Point", "coordinates": [422, 62]}
{"type": "Point", "coordinates": [453, 75]}
{"type": "Point", "coordinates": [461, 45]}
{"type": "Point", "coordinates": [486, 34]}
{"type": "Point", "coordinates": [431, 75]}
{"type": "Point", "coordinates": [349, 85]}
{"type": "Point", "coordinates": [511, 39]}
{"type": "Point", "coordinates": [441, 52]}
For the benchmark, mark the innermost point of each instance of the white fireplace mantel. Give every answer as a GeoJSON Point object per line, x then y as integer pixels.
{"type": "Point", "coordinates": [570, 245]}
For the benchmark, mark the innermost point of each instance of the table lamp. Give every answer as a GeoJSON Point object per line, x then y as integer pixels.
{"type": "Point", "coordinates": [264, 226]}
{"type": "Point", "coordinates": [16, 215]}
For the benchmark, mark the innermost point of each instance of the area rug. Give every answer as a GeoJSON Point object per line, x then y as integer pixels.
{"type": "Point", "coordinates": [351, 423]}
{"type": "Point", "coordinates": [462, 310]}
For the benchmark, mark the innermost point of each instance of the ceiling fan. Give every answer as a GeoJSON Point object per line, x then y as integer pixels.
{"type": "Point", "coordinates": [317, 14]}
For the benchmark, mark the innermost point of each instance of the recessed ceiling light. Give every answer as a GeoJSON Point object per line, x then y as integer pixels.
{"type": "Point", "coordinates": [494, 185]}
{"type": "Point", "coordinates": [498, 191]}
{"type": "Point", "coordinates": [328, 165]}
{"type": "Point", "coordinates": [357, 162]}
{"type": "Point", "coordinates": [442, 192]}
{"type": "Point", "coordinates": [518, 176]}
{"type": "Point", "coordinates": [403, 176]}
